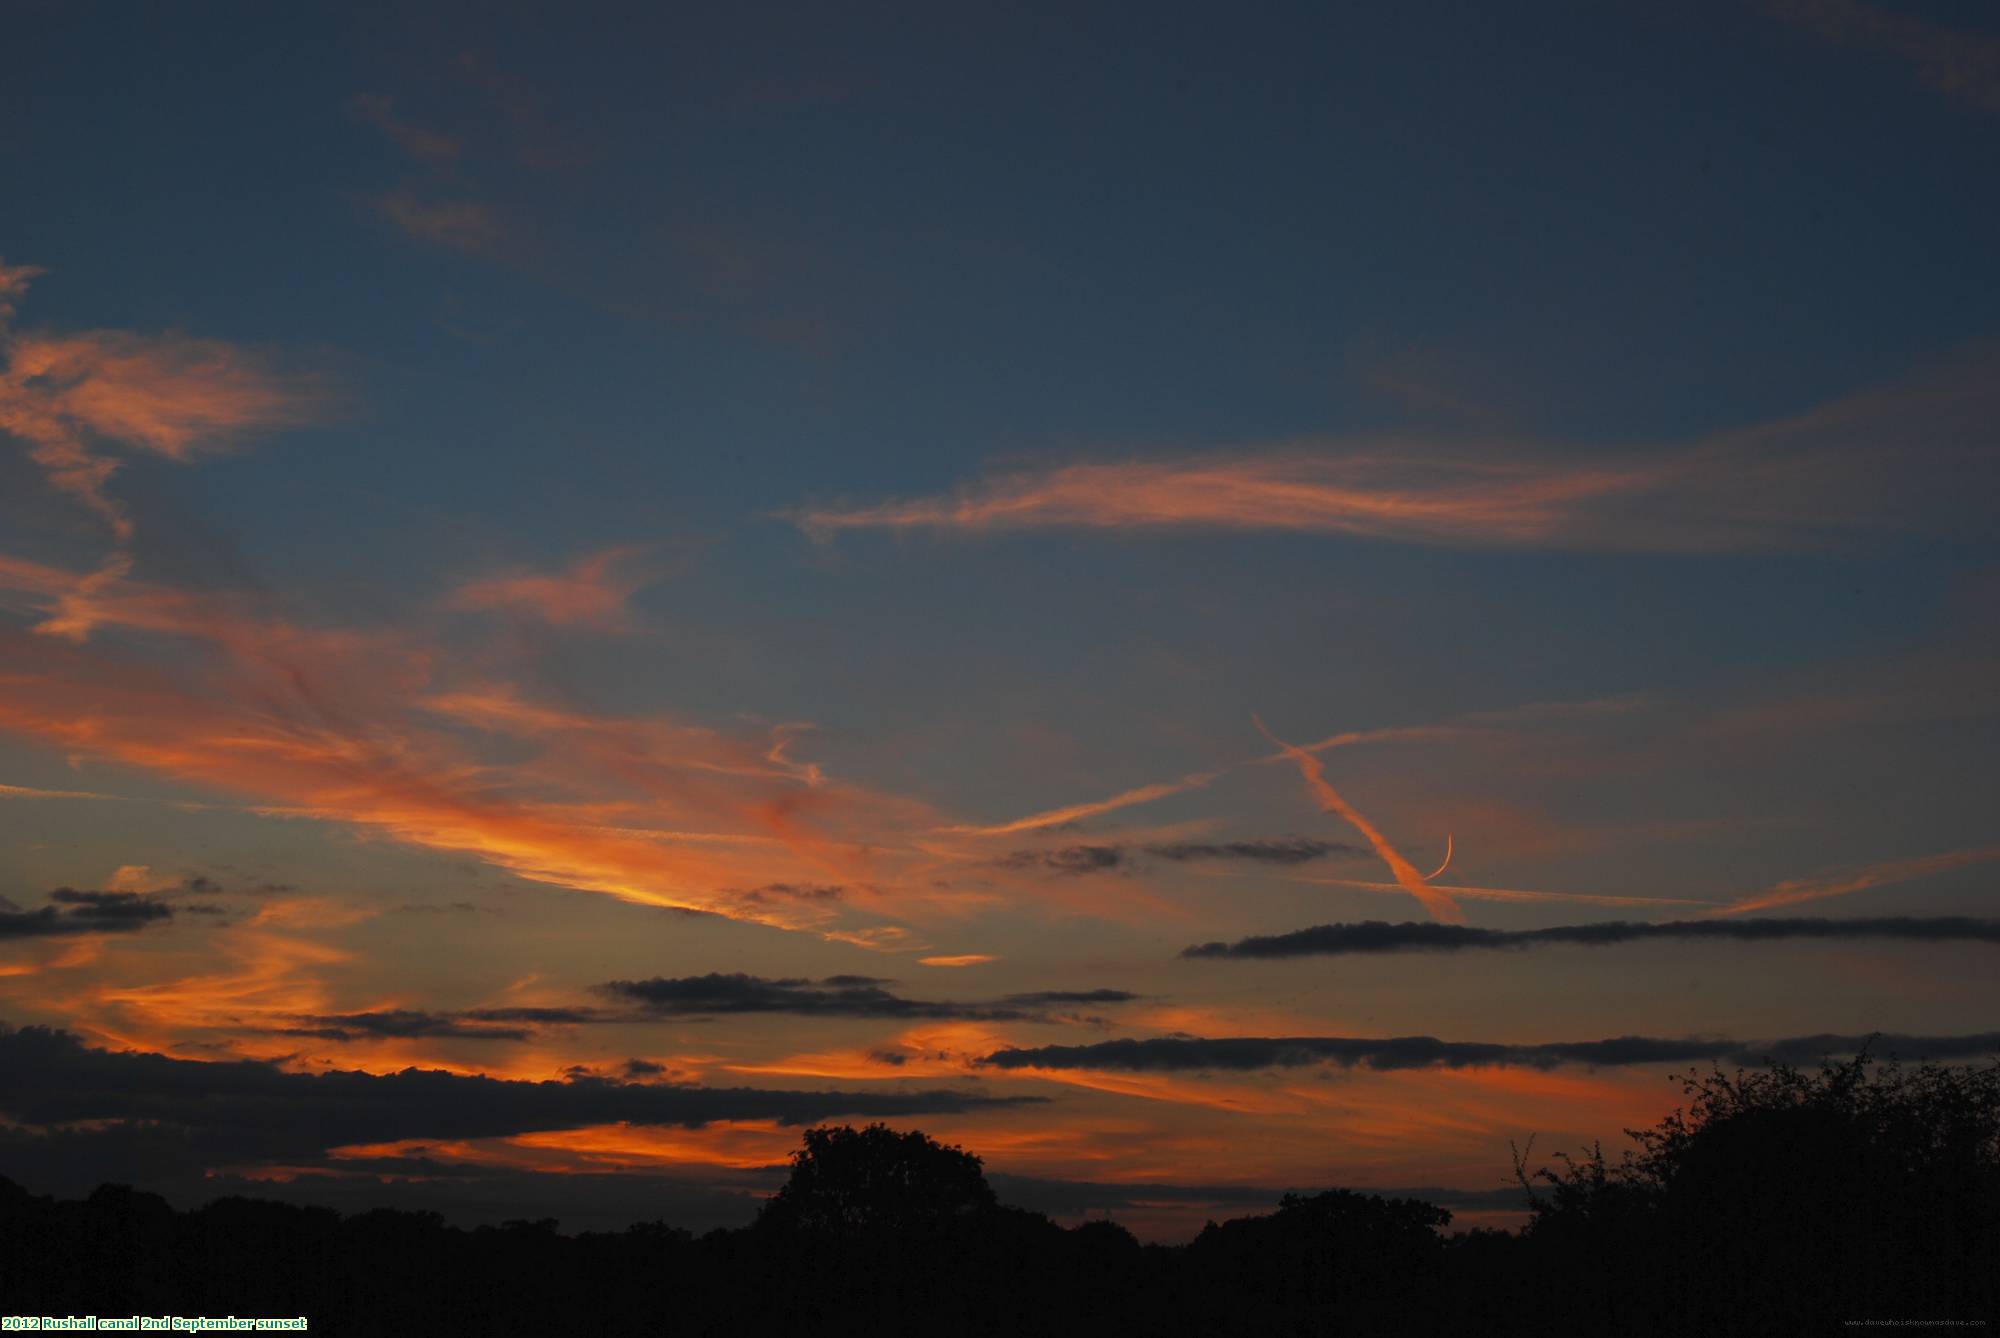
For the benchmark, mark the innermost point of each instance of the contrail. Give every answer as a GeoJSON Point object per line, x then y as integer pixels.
{"type": "Point", "coordinates": [1053, 817]}
{"type": "Point", "coordinates": [1513, 893]}
{"type": "Point", "coordinates": [1146, 794]}
{"type": "Point", "coordinates": [1313, 771]}
{"type": "Point", "coordinates": [1795, 890]}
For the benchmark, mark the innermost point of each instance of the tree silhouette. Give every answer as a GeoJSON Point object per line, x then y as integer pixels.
{"type": "Point", "coordinates": [846, 1181]}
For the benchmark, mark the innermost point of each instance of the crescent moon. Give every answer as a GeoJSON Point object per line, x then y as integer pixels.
{"type": "Point", "coordinates": [1447, 860]}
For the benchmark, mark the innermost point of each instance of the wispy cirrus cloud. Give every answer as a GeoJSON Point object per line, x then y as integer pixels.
{"type": "Point", "coordinates": [1842, 467]}
{"type": "Point", "coordinates": [1376, 495]}
{"type": "Point", "coordinates": [366, 726]}
{"type": "Point", "coordinates": [591, 592]}
{"type": "Point", "coordinates": [1956, 61]}
{"type": "Point", "coordinates": [1371, 937]}
{"type": "Point", "coordinates": [70, 397]}
{"type": "Point", "coordinates": [31, 792]}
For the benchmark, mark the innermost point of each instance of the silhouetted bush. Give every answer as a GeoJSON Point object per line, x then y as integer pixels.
{"type": "Point", "coordinates": [1780, 1201]}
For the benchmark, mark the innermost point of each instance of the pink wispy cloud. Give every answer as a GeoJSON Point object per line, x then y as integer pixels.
{"type": "Point", "coordinates": [1850, 465]}
{"type": "Point", "coordinates": [70, 398]}
{"type": "Point", "coordinates": [591, 592]}
{"type": "Point", "coordinates": [1378, 495]}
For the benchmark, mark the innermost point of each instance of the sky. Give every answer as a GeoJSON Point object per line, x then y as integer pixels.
{"type": "Point", "coordinates": [1198, 602]}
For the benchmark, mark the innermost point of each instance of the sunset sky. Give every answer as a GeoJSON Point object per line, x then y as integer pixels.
{"type": "Point", "coordinates": [584, 588]}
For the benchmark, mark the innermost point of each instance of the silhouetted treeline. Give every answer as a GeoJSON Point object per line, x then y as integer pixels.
{"type": "Point", "coordinates": [1776, 1203]}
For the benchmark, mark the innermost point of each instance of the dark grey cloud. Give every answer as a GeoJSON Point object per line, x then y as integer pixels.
{"type": "Point", "coordinates": [1289, 850]}
{"type": "Point", "coordinates": [474, 1024]}
{"type": "Point", "coordinates": [770, 894]}
{"type": "Point", "coordinates": [807, 892]}
{"type": "Point", "coordinates": [398, 1023]}
{"type": "Point", "coordinates": [74, 912]}
{"type": "Point", "coordinates": [551, 1017]}
{"type": "Point", "coordinates": [1085, 859]}
{"type": "Point", "coordinates": [1066, 859]}
{"type": "Point", "coordinates": [110, 905]}
{"type": "Point", "coordinates": [153, 1113]}
{"type": "Point", "coordinates": [696, 996]}
{"type": "Point", "coordinates": [1244, 1053]}
{"type": "Point", "coordinates": [1379, 936]}
{"type": "Point", "coordinates": [716, 994]}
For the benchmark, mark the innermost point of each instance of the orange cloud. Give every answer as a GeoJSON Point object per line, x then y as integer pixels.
{"type": "Point", "coordinates": [66, 396]}
{"type": "Point", "coordinates": [30, 792]}
{"type": "Point", "coordinates": [362, 726]}
{"type": "Point", "coordinates": [14, 281]}
{"type": "Point", "coordinates": [163, 395]}
{"type": "Point", "coordinates": [1376, 495]}
{"type": "Point", "coordinates": [591, 593]}
{"type": "Point", "coordinates": [962, 959]}
{"type": "Point", "coordinates": [1840, 466]}
{"type": "Point", "coordinates": [265, 977]}
{"type": "Point", "coordinates": [348, 726]}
